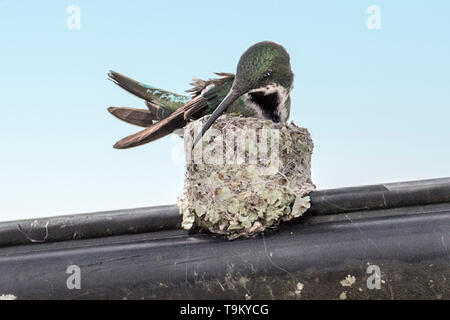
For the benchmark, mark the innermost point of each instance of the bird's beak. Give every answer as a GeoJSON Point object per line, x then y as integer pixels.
{"type": "Point", "coordinates": [232, 96]}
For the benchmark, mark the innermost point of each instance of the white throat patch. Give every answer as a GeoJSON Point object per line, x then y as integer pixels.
{"type": "Point", "coordinates": [283, 95]}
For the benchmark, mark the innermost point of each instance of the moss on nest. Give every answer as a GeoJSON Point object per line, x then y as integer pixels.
{"type": "Point", "coordinates": [242, 195]}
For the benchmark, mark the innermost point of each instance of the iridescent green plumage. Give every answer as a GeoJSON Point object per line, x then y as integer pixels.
{"type": "Point", "coordinates": [260, 89]}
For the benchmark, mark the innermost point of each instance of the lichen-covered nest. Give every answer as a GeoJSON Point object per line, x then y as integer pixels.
{"type": "Point", "coordinates": [240, 196]}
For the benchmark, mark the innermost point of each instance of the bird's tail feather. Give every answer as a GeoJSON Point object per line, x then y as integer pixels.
{"type": "Point", "coordinates": [130, 85]}
{"type": "Point", "coordinates": [154, 96]}
{"type": "Point", "coordinates": [138, 117]}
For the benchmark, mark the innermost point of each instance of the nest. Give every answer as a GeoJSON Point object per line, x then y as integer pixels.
{"type": "Point", "coordinates": [245, 175]}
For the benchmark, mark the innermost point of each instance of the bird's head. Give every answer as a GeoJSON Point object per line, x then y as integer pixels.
{"type": "Point", "coordinates": [264, 65]}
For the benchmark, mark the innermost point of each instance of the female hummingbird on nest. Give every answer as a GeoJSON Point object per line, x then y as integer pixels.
{"type": "Point", "coordinates": [261, 88]}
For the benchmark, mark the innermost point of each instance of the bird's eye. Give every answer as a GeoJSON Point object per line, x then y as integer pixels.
{"type": "Point", "coordinates": [267, 74]}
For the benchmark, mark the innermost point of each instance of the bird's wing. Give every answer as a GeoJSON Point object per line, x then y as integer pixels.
{"type": "Point", "coordinates": [152, 95]}
{"type": "Point", "coordinates": [207, 95]}
{"type": "Point", "coordinates": [160, 103]}
{"type": "Point", "coordinates": [166, 126]}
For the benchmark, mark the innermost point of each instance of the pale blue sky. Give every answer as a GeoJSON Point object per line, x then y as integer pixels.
{"type": "Point", "coordinates": [377, 102]}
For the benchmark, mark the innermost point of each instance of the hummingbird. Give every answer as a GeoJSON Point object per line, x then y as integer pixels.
{"type": "Point", "coordinates": [260, 88]}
